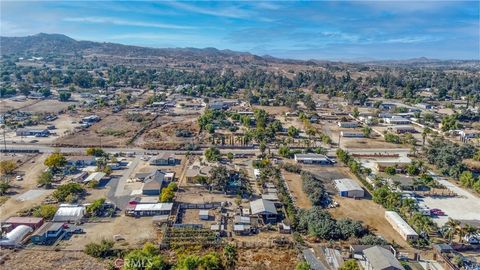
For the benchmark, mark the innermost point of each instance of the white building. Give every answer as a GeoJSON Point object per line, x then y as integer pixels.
{"type": "Point", "coordinates": [352, 134]}
{"type": "Point", "coordinates": [313, 159]}
{"type": "Point", "coordinates": [349, 188]}
{"type": "Point", "coordinates": [348, 124]}
{"type": "Point", "coordinates": [402, 227]}
{"type": "Point", "coordinates": [15, 237]}
{"type": "Point", "coordinates": [397, 120]}
{"type": "Point", "coordinates": [69, 213]}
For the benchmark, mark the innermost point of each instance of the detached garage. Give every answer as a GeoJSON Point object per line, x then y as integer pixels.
{"type": "Point", "coordinates": [349, 188]}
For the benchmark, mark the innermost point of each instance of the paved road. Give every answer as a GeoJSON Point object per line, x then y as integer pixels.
{"type": "Point", "coordinates": [135, 150]}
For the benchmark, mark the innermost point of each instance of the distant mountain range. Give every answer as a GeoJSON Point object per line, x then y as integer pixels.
{"type": "Point", "coordinates": [57, 44]}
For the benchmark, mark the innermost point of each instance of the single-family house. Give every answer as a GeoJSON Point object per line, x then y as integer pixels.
{"type": "Point", "coordinates": [313, 159]}
{"type": "Point", "coordinates": [48, 233]}
{"type": "Point", "coordinates": [379, 258]}
{"type": "Point", "coordinates": [264, 209]}
{"type": "Point", "coordinates": [164, 159]}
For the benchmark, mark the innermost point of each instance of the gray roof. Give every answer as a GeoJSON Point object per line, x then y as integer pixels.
{"type": "Point", "coordinates": [380, 258]}
{"type": "Point", "coordinates": [262, 206]}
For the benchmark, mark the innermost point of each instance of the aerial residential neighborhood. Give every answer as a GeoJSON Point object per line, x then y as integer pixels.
{"type": "Point", "coordinates": [142, 157]}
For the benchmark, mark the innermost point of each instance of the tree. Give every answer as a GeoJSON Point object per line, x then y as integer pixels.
{"type": "Point", "coordinates": [293, 132]}
{"type": "Point", "coordinates": [390, 170]}
{"type": "Point", "coordinates": [355, 112]}
{"type": "Point", "coordinates": [45, 179]}
{"type": "Point", "coordinates": [55, 161]}
{"type": "Point", "coordinates": [212, 154]}
{"type": "Point", "coordinates": [284, 151]}
{"type": "Point", "coordinates": [230, 255]}
{"type": "Point", "coordinates": [46, 211]}
{"type": "Point", "coordinates": [99, 250]}
{"type": "Point", "coordinates": [350, 265]}
{"type": "Point", "coordinates": [7, 166]}
{"type": "Point", "coordinates": [95, 207]}
{"type": "Point", "coordinates": [4, 186]}
{"type": "Point", "coordinates": [147, 258]}
{"type": "Point", "coordinates": [230, 156]}
{"type": "Point", "coordinates": [467, 179]}
{"type": "Point", "coordinates": [303, 265]}
{"type": "Point", "coordinates": [167, 195]}
{"type": "Point", "coordinates": [66, 191]}
{"type": "Point", "coordinates": [94, 151]}
{"type": "Point", "coordinates": [367, 131]}
{"type": "Point", "coordinates": [64, 96]}
{"type": "Point", "coordinates": [425, 133]}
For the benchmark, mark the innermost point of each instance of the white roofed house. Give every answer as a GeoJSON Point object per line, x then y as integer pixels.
{"type": "Point", "coordinates": [264, 209]}
{"type": "Point", "coordinates": [397, 120]}
{"type": "Point", "coordinates": [379, 258]}
{"type": "Point", "coordinates": [401, 226]}
{"type": "Point", "coordinates": [96, 176]}
{"type": "Point", "coordinates": [313, 159]}
{"type": "Point", "coordinates": [149, 209]}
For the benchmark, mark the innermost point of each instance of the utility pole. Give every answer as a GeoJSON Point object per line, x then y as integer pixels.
{"type": "Point", "coordinates": [4, 140]}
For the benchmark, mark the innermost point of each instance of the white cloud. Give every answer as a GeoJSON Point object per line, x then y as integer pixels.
{"type": "Point", "coordinates": [107, 20]}
{"type": "Point", "coordinates": [229, 12]}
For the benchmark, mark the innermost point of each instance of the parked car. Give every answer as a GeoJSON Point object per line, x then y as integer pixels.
{"type": "Point", "coordinates": [19, 178]}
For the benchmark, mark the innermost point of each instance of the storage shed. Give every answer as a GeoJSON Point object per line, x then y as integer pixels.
{"type": "Point", "coordinates": [349, 188]}
{"type": "Point", "coordinates": [69, 213]}
{"type": "Point", "coordinates": [15, 237]}
{"type": "Point", "coordinates": [32, 222]}
{"type": "Point", "coordinates": [203, 214]}
{"type": "Point", "coordinates": [401, 226]}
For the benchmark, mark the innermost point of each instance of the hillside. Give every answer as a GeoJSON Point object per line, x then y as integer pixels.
{"type": "Point", "coordinates": [54, 45]}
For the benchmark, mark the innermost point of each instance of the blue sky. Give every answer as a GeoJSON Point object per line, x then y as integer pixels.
{"type": "Point", "coordinates": [333, 30]}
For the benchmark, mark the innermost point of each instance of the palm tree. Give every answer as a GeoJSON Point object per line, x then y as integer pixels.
{"type": "Point", "coordinates": [425, 133]}
{"type": "Point", "coordinates": [231, 256]}
{"type": "Point", "coordinates": [451, 227]}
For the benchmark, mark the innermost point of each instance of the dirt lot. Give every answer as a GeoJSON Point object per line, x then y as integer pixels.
{"type": "Point", "coordinates": [267, 258]}
{"type": "Point", "coordinates": [273, 110]}
{"type": "Point", "coordinates": [8, 104]}
{"type": "Point", "coordinates": [370, 213]}
{"type": "Point", "coordinates": [30, 259]}
{"type": "Point", "coordinates": [49, 106]}
{"type": "Point", "coordinates": [122, 225]}
{"type": "Point", "coordinates": [294, 183]}
{"type": "Point", "coordinates": [163, 132]}
{"type": "Point", "coordinates": [107, 132]}
{"type": "Point", "coordinates": [333, 130]}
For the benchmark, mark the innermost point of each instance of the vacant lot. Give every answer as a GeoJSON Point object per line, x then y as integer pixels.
{"type": "Point", "coordinates": [48, 106]}
{"type": "Point", "coordinates": [294, 182]}
{"type": "Point", "coordinates": [122, 225]}
{"type": "Point", "coordinates": [267, 258]}
{"type": "Point", "coordinates": [162, 134]}
{"type": "Point", "coordinates": [31, 259]}
{"type": "Point", "coordinates": [113, 130]}
{"type": "Point", "coordinates": [8, 104]}
{"type": "Point", "coordinates": [371, 214]}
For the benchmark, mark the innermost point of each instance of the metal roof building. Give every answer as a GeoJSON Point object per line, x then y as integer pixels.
{"type": "Point", "coordinates": [378, 258]}
{"type": "Point", "coordinates": [15, 237]}
{"type": "Point", "coordinates": [262, 206]}
{"type": "Point", "coordinates": [349, 188]}
{"type": "Point", "coordinates": [69, 213]}
{"type": "Point", "coordinates": [313, 159]}
{"type": "Point", "coordinates": [401, 226]}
